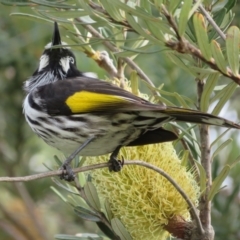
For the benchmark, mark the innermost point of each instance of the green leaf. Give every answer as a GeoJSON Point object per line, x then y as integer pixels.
{"type": "Point", "coordinates": [230, 4]}
{"type": "Point", "coordinates": [203, 177]}
{"type": "Point", "coordinates": [222, 146]}
{"type": "Point", "coordinates": [218, 18]}
{"type": "Point", "coordinates": [136, 12]}
{"type": "Point", "coordinates": [58, 193]}
{"type": "Point", "coordinates": [208, 89]}
{"type": "Point", "coordinates": [184, 158]}
{"type": "Point", "coordinates": [157, 29]}
{"type": "Point", "coordinates": [86, 214]}
{"type": "Point", "coordinates": [201, 34]}
{"type": "Point", "coordinates": [181, 100]}
{"type": "Point", "coordinates": [32, 17]}
{"type": "Point", "coordinates": [137, 27]}
{"type": "Point", "coordinates": [178, 61]}
{"type": "Point", "coordinates": [232, 48]}
{"type": "Point", "coordinates": [120, 230]}
{"type": "Point", "coordinates": [173, 5]}
{"type": "Point", "coordinates": [92, 196]}
{"type": "Point", "coordinates": [218, 56]}
{"type": "Point", "coordinates": [218, 182]}
{"type": "Point", "coordinates": [108, 209]}
{"type": "Point", "coordinates": [195, 7]}
{"type": "Point", "coordinates": [112, 10]}
{"type": "Point", "coordinates": [219, 137]}
{"type": "Point", "coordinates": [184, 16]}
{"type": "Point", "coordinates": [72, 13]}
{"type": "Point", "coordinates": [16, 3]}
{"type": "Point", "coordinates": [228, 91]}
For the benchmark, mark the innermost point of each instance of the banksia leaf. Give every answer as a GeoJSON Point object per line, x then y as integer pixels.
{"type": "Point", "coordinates": [184, 16]}
{"type": "Point", "coordinates": [201, 34]}
{"type": "Point", "coordinates": [232, 47]}
{"type": "Point", "coordinates": [218, 56]}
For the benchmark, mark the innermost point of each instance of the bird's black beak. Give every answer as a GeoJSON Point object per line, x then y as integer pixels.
{"type": "Point", "coordinates": [56, 39]}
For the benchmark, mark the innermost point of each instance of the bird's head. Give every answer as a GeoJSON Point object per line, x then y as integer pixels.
{"type": "Point", "coordinates": [56, 63]}
{"type": "Point", "coordinates": [58, 59]}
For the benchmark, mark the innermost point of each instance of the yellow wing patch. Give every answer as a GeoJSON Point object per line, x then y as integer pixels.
{"type": "Point", "coordinates": [85, 101]}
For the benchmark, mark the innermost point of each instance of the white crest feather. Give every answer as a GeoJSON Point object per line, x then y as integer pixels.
{"type": "Point", "coordinates": [44, 61]}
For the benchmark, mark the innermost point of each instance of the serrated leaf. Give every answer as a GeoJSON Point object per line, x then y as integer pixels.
{"type": "Point", "coordinates": [184, 16]}
{"type": "Point", "coordinates": [120, 230]}
{"type": "Point", "coordinates": [232, 48]}
{"type": "Point", "coordinates": [228, 91]}
{"type": "Point", "coordinates": [218, 56]}
{"type": "Point", "coordinates": [218, 182]}
{"type": "Point", "coordinates": [201, 34]}
{"type": "Point", "coordinates": [203, 177]}
{"type": "Point", "coordinates": [86, 214]}
{"type": "Point", "coordinates": [222, 146]}
{"type": "Point", "coordinates": [208, 89]}
{"type": "Point", "coordinates": [92, 195]}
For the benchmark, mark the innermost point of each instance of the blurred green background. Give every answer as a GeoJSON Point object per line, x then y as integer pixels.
{"type": "Point", "coordinates": [31, 210]}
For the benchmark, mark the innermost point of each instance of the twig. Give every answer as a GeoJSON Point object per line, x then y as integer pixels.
{"type": "Point", "coordinates": [205, 204]}
{"type": "Point", "coordinates": [192, 208]}
{"type": "Point", "coordinates": [212, 22]}
{"type": "Point", "coordinates": [184, 46]}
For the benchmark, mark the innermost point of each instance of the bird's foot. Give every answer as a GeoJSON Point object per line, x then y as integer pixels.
{"type": "Point", "coordinates": [115, 165]}
{"type": "Point", "coordinates": [67, 173]}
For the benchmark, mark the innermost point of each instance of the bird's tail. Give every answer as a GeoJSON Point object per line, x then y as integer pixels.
{"type": "Point", "coordinates": [194, 116]}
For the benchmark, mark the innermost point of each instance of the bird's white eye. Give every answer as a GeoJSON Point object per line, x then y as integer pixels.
{"type": "Point", "coordinates": [71, 59]}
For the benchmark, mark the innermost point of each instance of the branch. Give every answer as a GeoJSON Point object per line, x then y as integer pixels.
{"type": "Point", "coordinates": [204, 203]}
{"type": "Point", "coordinates": [192, 208]}
{"type": "Point", "coordinates": [182, 45]}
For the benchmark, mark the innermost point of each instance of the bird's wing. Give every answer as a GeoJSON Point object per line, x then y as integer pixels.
{"type": "Point", "coordinates": [84, 95]}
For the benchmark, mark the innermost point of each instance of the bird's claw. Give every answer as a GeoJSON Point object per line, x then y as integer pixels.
{"type": "Point", "coordinates": [67, 173]}
{"type": "Point", "coordinates": [115, 165]}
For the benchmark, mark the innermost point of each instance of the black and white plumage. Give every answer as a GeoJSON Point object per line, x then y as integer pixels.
{"type": "Point", "coordinates": [65, 107]}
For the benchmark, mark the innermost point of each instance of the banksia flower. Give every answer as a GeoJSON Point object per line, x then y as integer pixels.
{"type": "Point", "coordinates": [145, 202]}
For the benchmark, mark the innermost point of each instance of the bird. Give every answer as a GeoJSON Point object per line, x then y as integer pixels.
{"type": "Point", "coordinates": [78, 113]}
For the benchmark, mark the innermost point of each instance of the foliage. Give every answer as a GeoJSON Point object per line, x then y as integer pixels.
{"type": "Point", "coordinates": [177, 31]}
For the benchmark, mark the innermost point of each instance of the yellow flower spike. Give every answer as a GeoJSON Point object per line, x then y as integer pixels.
{"type": "Point", "coordinates": [142, 199]}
